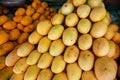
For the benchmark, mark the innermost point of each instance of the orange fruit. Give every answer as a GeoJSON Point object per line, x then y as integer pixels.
{"type": "Point", "coordinates": [26, 20]}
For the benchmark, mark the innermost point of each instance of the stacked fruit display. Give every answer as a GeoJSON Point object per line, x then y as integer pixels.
{"type": "Point", "coordinates": [15, 27]}
{"type": "Point", "coordinates": [77, 43]}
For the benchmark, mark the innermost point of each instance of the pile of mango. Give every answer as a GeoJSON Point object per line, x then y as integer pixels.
{"type": "Point", "coordinates": [76, 42]}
